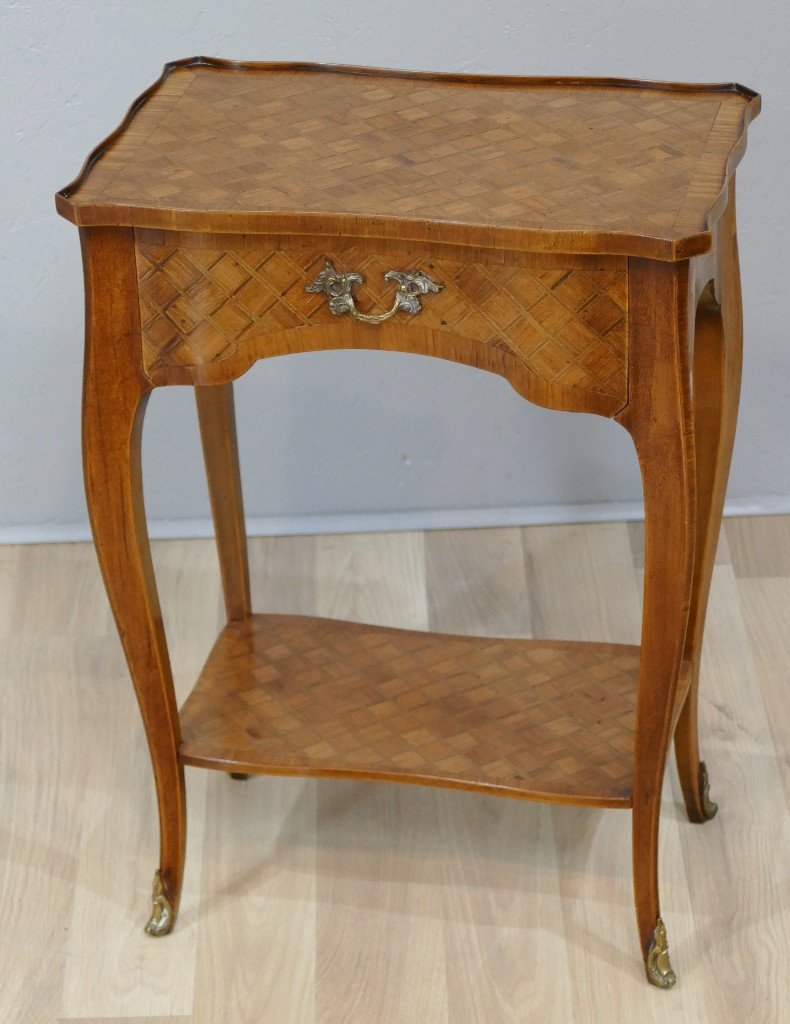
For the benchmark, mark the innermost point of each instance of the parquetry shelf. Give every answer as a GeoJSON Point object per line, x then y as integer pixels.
{"type": "Point", "coordinates": [576, 237]}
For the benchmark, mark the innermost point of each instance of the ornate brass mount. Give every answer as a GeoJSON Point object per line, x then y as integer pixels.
{"type": "Point", "coordinates": [162, 917]}
{"type": "Point", "coordinates": [657, 965]}
{"type": "Point", "coordinates": [411, 284]}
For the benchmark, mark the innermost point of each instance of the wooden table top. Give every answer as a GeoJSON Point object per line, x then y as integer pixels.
{"type": "Point", "coordinates": [550, 165]}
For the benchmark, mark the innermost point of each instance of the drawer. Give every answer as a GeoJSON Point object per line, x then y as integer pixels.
{"type": "Point", "coordinates": [555, 326]}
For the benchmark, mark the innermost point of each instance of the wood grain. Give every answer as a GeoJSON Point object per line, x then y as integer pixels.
{"type": "Point", "coordinates": [208, 312]}
{"type": "Point", "coordinates": [718, 357]}
{"type": "Point", "coordinates": [492, 180]}
{"type": "Point", "coordinates": [737, 701]}
{"type": "Point", "coordinates": [293, 869]}
{"type": "Point", "coordinates": [566, 566]}
{"type": "Point", "coordinates": [470, 159]}
{"type": "Point", "coordinates": [115, 393]}
{"type": "Point", "coordinates": [302, 695]}
{"type": "Point", "coordinates": [132, 978]}
{"type": "Point", "coordinates": [497, 603]}
{"type": "Point", "coordinates": [217, 418]}
{"type": "Point", "coordinates": [659, 419]}
{"type": "Point", "coordinates": [476, 583]}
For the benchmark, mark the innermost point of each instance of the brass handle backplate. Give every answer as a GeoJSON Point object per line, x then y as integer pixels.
{"type": "Point", "coordinates": [411, 285]}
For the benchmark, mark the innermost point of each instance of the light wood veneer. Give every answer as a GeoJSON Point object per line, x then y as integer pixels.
{"type": "Point", "coordinates": [292, 695]}
{"type": "Point", "coordinates": [584, 235]}
{"type": "Point", "coordinates": [551, 165]}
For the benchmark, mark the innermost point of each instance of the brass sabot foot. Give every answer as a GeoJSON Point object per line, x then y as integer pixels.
{"type": "Point", "coordinates": [709, 807]}
{"type": "Point", "coordinates": [657, 965]}
{"type": "Point", "coordinates": [162, 917]}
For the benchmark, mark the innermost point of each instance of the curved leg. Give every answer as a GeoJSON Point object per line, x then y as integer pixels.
{"type": "Point", "coordinates": [717, 381]}
{"type": "Point", "coordinates": [114, 398]}
{"type": "Point", "coordinates": [217, 418]}
{"type": "Point", "coordinates": [658, 418]}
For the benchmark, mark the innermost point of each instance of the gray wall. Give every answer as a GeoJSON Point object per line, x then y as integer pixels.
{"type": "Point", "coordinates": [375, 439]}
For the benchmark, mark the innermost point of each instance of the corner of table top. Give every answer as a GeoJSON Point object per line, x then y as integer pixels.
{"type": "Point", "coordinates": [662, 245]}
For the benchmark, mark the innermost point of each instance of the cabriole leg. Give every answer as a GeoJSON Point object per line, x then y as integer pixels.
{"type": "Point", "coordinates": [717, 381]}
{"type": "Point", "coordinates": [217, 418]}
{"type": "Point", "coordinates": [658, 418]}
{"type": "Point", "coordinates": [114, 399]}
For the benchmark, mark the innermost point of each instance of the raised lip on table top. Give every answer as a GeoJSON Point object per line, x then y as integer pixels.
{"type": "Point", "coordinates": [663, 247]}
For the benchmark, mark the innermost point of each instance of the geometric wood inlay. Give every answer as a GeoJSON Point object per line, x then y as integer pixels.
{"type": "Point", "coordinates": [567, 324]}
{"type": "Point", "coordinates": [538, 164]}
{"type": "Point", "coordinates": [286, 694]}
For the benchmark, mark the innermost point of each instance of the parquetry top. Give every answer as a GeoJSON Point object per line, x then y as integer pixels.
{"type": "Point", "coordinates": [563, 165]}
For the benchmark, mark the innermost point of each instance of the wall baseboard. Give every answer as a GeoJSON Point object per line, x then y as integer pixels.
{"type": "Point", "coordinates": [383, 522]}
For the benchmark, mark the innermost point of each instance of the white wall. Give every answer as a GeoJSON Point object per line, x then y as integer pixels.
{"type": "Point", "coordinates": [336, 433]}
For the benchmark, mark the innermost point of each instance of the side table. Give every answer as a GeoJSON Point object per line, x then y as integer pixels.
{"type": "Point", "coordinates": [575, 236]}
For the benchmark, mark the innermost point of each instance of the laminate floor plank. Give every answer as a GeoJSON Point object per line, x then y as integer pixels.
{"type": "Point", "coordinates": [256, 933]}
{"type": "Point", "coordinates": [759, 545]}
{"type": "Point", "coordinates": [476, 582]}
{"type": "Point", "coordinates": [583, 583]}
{"type": "Point", "coordinates": [377, 578]}
{"type": "Point", "coordinates": [765, 607]}
{"type": "Point", "coordinates": [379, 948]}
{"type": "Point", "coordinates": [135, 976]}
{"type": "Point", "coordinates": [736, 881]}
{"type": "Point", "coordinates": [501, 895]}
{"type": "Point", "coordinates": [328, 901]}
{"type": "Point", "coordinates": [44, 778]}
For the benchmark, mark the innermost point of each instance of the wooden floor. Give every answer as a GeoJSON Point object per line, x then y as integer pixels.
{"type": "Point", "coordinates": [336, 902]}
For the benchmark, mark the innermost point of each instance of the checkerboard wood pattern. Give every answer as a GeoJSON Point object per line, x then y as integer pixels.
{"type": "Point", "coordinates": [251, 147]}
{"type": "Point", "coordinates": [566, 324]}
{"type": "Point", "coordinates": [296, 695]}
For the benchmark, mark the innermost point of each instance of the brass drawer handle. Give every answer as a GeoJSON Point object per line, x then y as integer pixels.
{"type": "Point", "coordinates": [411, 284]}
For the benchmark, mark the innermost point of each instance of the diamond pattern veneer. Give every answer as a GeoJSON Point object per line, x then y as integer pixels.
{"type": "Point", "coordinates": [566, 324]}
{"type": "Point", "coordinates": [296, 695]}
{"type": "Point", "coordinates": [576, 237]}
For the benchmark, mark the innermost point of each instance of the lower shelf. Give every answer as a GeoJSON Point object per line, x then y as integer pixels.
{"type": "Point", "coordinates": [537, 719]}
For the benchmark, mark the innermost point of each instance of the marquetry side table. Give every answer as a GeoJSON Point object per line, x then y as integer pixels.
{"type": "Point", "coordinates": [576, 237]}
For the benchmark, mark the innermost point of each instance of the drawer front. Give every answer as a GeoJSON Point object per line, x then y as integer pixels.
{"type": "Point", "coordinates": [552, 325]}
